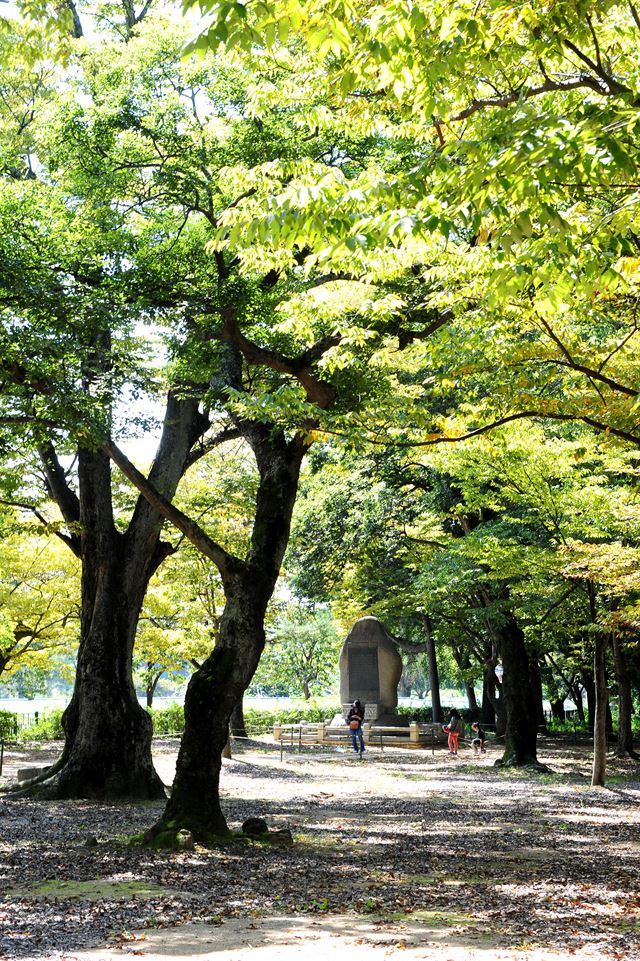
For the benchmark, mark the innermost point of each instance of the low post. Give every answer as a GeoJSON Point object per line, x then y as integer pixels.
{"type": "Point", "coordinates": [321, 732]}
{"type": "Point", "coordinates": [277, 730]}
{"type": "Point", "coordinates": [433, 741]}
{"type": "Point", "coordinates": [414, 732]}
{"type": "Point", "coordinates": [366, 731]}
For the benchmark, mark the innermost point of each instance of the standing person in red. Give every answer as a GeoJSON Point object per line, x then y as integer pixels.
{"type": "Point", "coordinates": [355, 717]}
{"type": "Point", "coordinates": [454, 730]}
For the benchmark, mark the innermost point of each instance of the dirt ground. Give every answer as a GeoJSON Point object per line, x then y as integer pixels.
{"type": "Point", "coordinates": [402, 854]}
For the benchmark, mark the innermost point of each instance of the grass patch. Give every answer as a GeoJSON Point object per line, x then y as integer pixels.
{"type": "Point", "coordinates": [88, 890]}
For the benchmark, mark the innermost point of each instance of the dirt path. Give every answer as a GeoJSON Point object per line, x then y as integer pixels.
{"type": "Point", "coordinates": [434, 858]}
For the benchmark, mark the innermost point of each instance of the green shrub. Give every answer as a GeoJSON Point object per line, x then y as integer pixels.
{"type": "Point", "coordinates": [424, 715]}
{"type": "Point", "coordinates": [8, 724]}
{"type": "Point", "coordinates": [554, 726]}
{"type": "Point", "coordinates": [261, 722]}
{"type": "Point", "coordinates": [168, 720]}
{"type": "Point", "coordinates": [48, 727]}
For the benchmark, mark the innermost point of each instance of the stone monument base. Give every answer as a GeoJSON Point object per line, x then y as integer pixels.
{"type": "Point", "coordinates": [392, 720]}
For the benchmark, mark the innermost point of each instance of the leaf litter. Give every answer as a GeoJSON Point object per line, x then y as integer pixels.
{"type": "Point", "coordinates": [421, 847]}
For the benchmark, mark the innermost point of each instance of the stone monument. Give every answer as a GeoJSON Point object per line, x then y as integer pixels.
{"type": "Point", "coordinates": [370, 669]}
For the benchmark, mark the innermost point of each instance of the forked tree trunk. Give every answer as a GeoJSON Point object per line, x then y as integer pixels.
{"type": "Point", "coordinates": [575, 693]}
{"type": "Point", "coordinates": [625, 703]}
{"type": "Point", "coordinates": [107, 752]}
{"type": "Point", "coordinates": [521, 730]}
{"type": "Point", "coordinates": [218, 685]}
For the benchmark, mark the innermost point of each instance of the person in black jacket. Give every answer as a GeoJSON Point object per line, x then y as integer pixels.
{"type": "Point", "coordinates": [479, 737]}
{"type": "Point", "coordinates": [355, 717]}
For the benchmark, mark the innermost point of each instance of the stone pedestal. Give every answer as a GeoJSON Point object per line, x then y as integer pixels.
{"type": "Point", "coordinates": [370, 669]}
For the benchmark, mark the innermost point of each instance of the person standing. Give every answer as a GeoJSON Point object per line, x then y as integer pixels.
{"type": "Point", "coordinates": [355, 717]}
{"type": "Point", "coordinates": [454, 730]}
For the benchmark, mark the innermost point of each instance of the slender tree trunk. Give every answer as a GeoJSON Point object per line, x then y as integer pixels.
{"type": "Point", "coordinates": [495, 696]}
{"type": "Point", "coordinates": [238, 726]}
{"type": "Point", "coordinates": [557, 709]}
{"type": "Point", "coordinates": [600, 718]}
{"type": "Point", "coordinates": [472, 700]}
{"type": "Point", "coordinates": [521, 730]}
{"type": "Point", "coordinates": [625, 703]}
{"type": "Point", "coordinates": [464, 664]}
{"type": "Point", "coordinates": [434, 677]}
{"type": "Point", "coordinates": [536, 692]}
{"type": "Point", "coordinates": [151, 689]}
{"type": "Point", "coordinates": [218, 685]}
{"type": "Point", "coordinates": [590, 690]}
{"type": "Point", "coordinates": [488, 711]}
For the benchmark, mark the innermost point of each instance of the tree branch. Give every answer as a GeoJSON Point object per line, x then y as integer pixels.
{"type": "Point", "coordinates": [549, 86]}
{"type": "Point", "coordinates": [229, 433]}
{"type": "Point", "coordinates": [319, 392]}
{"type": "Point", "coordinates": [64, 496]}
{"type": "Point", "coordinates": [226, 563]}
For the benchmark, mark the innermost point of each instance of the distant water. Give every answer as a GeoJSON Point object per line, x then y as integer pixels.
{"type": "Point", "coordinates": [22, 705]}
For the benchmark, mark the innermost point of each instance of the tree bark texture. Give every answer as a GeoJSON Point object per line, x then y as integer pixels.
{"type": "Point", "coordinates": [218, 685]}
{"type": "Point", "coordinates": [521, 730]}
{"type": "Point", "coordinates": [600, 717]}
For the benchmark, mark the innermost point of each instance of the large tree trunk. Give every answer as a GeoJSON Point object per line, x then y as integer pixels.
{"type": "Point", "coordinates": [212, 693]}
{"type": "Point", "coordinates": [521, 730]}
{"type": "Point", "coordinates": [217, 686]}
{"type": "Point", "coordinates": [625, 703]}
{"type": "Point", "coordinates": [107, 752]}
{"type": "Point", "coordinates": [434, 677]}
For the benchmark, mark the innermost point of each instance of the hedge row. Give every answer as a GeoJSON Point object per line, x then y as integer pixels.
{"type": "Point", "coordinates": [170, 720]}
